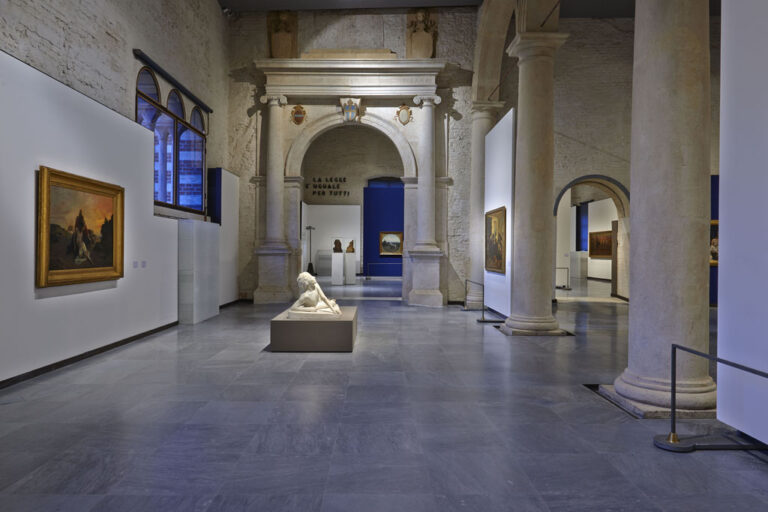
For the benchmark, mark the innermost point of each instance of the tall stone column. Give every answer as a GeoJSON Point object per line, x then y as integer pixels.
{"type": "Point", "coordinates": [426, 255]}
{"type": "Point", "coordinates": [669, 169]}
{"type": "Point", "coordinates": [273, 254]}
{"type": "Point", "coordinates": [534, 225]}
{"type": "Point", "coordinates": [483, 117]}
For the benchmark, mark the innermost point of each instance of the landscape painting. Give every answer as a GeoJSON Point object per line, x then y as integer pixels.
{"type": "Point", "coordinates": [601, 245]}
{"type": "Point", "coordinates": [390, 243]}
{"type": "Point", "coordinates": [80, 226]}
{"type": "Point", "coordinates": [496, 240]}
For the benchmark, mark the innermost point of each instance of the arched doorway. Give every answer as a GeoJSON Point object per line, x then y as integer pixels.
{"type": "Point", "coordinates": [335, 162]}
{"type": "Point", "coordinates": [592, 245]}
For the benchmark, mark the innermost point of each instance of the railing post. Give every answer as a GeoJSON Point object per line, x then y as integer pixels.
{"type": "Point", "coordinates": [672, 437]}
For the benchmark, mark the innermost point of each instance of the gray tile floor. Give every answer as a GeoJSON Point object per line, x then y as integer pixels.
{"type": "Point", "coordinates": [431, 412]}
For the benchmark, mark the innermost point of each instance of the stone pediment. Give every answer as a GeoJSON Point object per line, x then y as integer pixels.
{"type": "Point", "coordinates": [315, 78]}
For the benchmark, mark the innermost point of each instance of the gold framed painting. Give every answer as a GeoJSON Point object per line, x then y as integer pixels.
{"type": "Point", "coordinates": [601, 245]}
{"type": "Point", "coordinates": [79, 229]}
{"type": "Point", "coordinates": [390, 243]}
{"type": "Point", "coordinates": [496, 240]}
{"type": "Point", "coordinates": [714, 242]}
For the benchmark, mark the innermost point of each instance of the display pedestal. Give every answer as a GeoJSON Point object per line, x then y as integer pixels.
{"type": "Point", "coordinates": [324, 333]}
{"type": "Point", "coordinates": [337, 268]}
{"type": "Point", "coordinates": [350, 272]}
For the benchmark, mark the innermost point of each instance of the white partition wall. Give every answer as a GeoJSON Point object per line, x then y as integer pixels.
{"type": "Point", "coordinates": [46, 123]}
{"type": "Point", "coordinates": [499, 191]}
{"type": "Point", "coordinates": [229, 237]}
{"type": "Point", "coordinates": [331, 222]}
{"type": "Point", "coordinates": [743, 279]}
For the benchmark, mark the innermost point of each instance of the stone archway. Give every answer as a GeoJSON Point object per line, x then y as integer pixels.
{"type": "Point", "coordinates": [619, 194]}
{"type": "Point", "coordinates": [314, 129]}
{"type": "Point", "coordinates": [293, 173]}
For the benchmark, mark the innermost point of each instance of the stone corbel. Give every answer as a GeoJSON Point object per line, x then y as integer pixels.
{"type": "Point", "coordinates": [294, 181]}
{"type": "Point", "coordinates": [444, 181]}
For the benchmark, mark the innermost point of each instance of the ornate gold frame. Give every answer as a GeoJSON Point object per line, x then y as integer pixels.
{"type": "Point", "coordinates": [501, 212]}
{"type": "Point", "coordinates": [43, 276]}
{"type": "Point", "coordinates": [407, 109]}
{"type": "Point", "coordinates": [382, 234]}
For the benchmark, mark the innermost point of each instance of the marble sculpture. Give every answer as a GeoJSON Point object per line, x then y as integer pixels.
{"type": "Point", "coordinates": [312, 300]}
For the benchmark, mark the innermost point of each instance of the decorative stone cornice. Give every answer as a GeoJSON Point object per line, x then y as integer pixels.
{"type": "Point", "coordinates": [273, 99]}
{"type": "Point", "coordinates": [444, 181]}
{"type": "Point", "coordinates": [259, 181]}
{"type": "Point", "coordinates": [344, 77]}
{"type": "Point", "coordinates": [409, 180]}
{"type": "Point", "coordinates": [536, 44]}
{"type": "Point", "coordinates": [427, 99]}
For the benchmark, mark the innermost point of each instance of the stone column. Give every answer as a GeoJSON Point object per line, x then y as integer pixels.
{"type": "Point", "coordinates": [426, 255]}
{"type": "Point", "coordinates": [669, 169]}
{"type": "Point", "coordinates": [483, 117]}
{"type": "Point", "coordinates": [534, 225]}
{"type": "Point", "coordinates": [273, 254]}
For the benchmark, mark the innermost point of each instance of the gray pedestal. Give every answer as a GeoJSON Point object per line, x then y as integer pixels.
{"type": "Point", "coordinates": [334, 334]}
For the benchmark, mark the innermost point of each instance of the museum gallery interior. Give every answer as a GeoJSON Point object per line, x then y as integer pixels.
{"type": "Point", "coordinates": [383, 255]}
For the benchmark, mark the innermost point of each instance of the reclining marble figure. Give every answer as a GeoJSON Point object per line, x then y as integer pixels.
{"type": "Point", "coordinates": [312, 301]}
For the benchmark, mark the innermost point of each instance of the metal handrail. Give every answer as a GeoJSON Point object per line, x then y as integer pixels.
{"type": "Point", "coordinates": [671, 441]}
{"type": "Point", "coordinates": [482, 300]}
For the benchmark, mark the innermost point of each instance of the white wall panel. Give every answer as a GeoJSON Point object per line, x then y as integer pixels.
{"type": "Point", "coordinates": [46, 123]}
{"type": "Point", "coordinates": [743, 279]}
{"type": "Point", "coordinates": [499, 191]}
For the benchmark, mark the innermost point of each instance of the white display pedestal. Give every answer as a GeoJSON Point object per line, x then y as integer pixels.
{"type": "Point", "coordinates": [337, 268]}
{"type": "Point", "coordinates": [350, 272]}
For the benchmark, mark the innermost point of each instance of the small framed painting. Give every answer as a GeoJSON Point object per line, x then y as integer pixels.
{"type": "Point", "coordinates": [714, 242]}
{"type": "Point", "coordinates": [79, 229]}
{"type": "Point", "coordinates": [601, 245]}
{"type": "Point", "coordinates": [496, 240]}
{"type": "Point", "coordinates": [390, 243]}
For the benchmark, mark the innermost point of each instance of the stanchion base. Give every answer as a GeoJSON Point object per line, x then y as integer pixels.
{"type": "Point", "coordinates": [708, 442]}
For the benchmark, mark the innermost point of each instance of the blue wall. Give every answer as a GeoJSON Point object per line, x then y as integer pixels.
{"type": "Point", "coordinates": [582, 227]}
{"type": "Point", "coordinates": [715, 215]}
{"type": "Point", "coordinates": [383, 203]}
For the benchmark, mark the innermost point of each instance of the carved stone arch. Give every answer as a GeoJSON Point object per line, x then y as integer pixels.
{"type": "Point", "coordinates": [314, 129]}
{"type": "Point", "coordinates": [494, 18]}
{"type": "Point", "coordinates": [614, 188]}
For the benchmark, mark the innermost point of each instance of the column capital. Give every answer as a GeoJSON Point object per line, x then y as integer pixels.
{"type": "Point", "coordinates": [274, 99]}
{"type": "Point", "coordinates": [528, 45]}
{"type": "Point", "coordinates": [432, 99]}
{"type": "Point", "coordinates": [490, 107]}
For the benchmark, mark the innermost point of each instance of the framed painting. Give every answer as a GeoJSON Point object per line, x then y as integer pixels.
{"type": "Point", "coordinates": [390, 243]}
{"type": "Point", "coordinates": [79, 229]}
{"type": "Point", "coordinates": [601, 245]}
{"type": "Point", "coordinates": [496, 240]}
{"type": "Point", "coordinates": [714, 242]}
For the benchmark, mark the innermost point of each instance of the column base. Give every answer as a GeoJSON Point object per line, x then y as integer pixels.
{"type": "Point", "coordinates": [426, 260]}
{"type": "Point", "coordinates": [693, 394]}
{"type": "Point", "coordinates": [274, 285]}
{"type": "Point", "coordinates": [646, 411]}
{"type": "Point", "coordinates": [518, 325]}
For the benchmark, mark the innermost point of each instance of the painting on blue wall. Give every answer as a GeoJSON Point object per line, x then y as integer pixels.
{"type": "Point", "coordinates": [496, 240]}
{"type": "Point", "coordinates": [390, 243]}
{"type": "Point", "coordinates": [714, 242]}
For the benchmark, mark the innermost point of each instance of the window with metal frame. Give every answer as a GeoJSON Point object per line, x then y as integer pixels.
{"type": "Point", "coordinates": [179, 159]}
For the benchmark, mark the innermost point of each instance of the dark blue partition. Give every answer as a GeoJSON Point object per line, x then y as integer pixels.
{"type": "Point", "coordinates": [383, 202]}
{"type": "Point", "coordinates": [214, 194]}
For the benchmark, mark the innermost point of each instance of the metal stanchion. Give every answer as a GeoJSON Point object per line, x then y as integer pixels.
{"type": "Point", "coordinates": [482, 318]}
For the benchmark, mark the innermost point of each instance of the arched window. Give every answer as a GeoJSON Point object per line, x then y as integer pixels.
{"type": "Point", "coordinates": [147, 84]}
{"type": "Point", "coordinates": [179, 161]}
{"type": "Point", "coordinates": [175, 105]}
{"type": "Point", "coordinates": [196, 119]}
